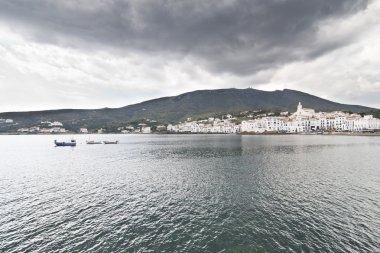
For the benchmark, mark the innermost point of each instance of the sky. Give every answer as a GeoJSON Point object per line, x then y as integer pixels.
{"type": "Point", "coordinates": [111, 53]}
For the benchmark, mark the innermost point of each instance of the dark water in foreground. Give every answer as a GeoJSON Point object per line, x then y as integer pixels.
{"type": "Point", "coordinates": [190, 194]}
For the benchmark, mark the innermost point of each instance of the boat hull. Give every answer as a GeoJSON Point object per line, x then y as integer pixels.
{"type": "Point", "coordinates": [65, 144]}
{"type": "Point", "coordinates": [93, 142]}
{"type": "Point", "coordinates": [110, 142]}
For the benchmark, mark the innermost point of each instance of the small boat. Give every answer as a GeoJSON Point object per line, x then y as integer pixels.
{"type": "Point", "coordinates": [93, 142]}
{"type": "Point", "coordinates": [71, 143]}
{"type": "Point", "coordinates": [110, 142]}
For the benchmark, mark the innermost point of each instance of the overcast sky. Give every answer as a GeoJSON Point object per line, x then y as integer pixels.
{"type": "Point", "coordinates": [111, 53]}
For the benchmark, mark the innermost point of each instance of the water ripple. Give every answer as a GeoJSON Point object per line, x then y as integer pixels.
{"type": "Point", "coordinates": [191, 194]}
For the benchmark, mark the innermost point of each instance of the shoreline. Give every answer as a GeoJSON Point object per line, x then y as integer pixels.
{"type": "Point", "coordinates": [314, 134]}
{"type": "Point", "coordinates": [375, 134]}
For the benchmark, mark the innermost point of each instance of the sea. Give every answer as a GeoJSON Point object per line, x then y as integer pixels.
{"type": "Point", "coordinates": [190, 193]}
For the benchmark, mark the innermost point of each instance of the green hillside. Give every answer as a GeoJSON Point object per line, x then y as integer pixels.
{"type": "Point", "coordinates": [173, 109]}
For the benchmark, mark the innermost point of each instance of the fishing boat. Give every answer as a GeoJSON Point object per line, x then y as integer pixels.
{"type": "Point", "coordinates": [110, 142]}
{"type": "Point", "coordinates": [93, 142]}
{"type": "Point", "coordinates": [71, 143]}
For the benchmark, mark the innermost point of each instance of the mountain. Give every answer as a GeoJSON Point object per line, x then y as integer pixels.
{"type": "Point", "coordinates": [199, 103]}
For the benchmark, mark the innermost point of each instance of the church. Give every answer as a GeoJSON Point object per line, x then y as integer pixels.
{"type": "Point", "coordinates": [303, 112]}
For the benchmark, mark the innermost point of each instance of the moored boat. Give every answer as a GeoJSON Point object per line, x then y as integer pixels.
{"type": "Point", "coordinates": [110, 142]}
{"type": "Point", "coordinates": [93, 142]}
{"type": "Point", "coordinates": [71, 143]}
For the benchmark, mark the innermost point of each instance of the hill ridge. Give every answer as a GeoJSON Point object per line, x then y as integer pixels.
{"type": "Point", "coordinates": [171, 109]}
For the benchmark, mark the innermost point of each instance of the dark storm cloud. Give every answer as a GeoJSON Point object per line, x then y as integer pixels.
{"type": "Point", "coordinates": [240, 37]}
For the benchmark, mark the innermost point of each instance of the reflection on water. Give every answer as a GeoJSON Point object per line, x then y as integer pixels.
{"type": "Point", "coordinates": [190, 193]}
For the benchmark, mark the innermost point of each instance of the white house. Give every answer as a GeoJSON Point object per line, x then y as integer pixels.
{"type": "Point", "coordinates": [83, 130]}
{"type": "Point", "coordinates": [56, 124]}
{"type": "Point", "coordinates": [146, 130]}
{"type": "Point", "coordinates": [57, 130]}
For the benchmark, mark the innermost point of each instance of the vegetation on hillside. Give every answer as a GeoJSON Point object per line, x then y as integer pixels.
{"type": "Point", "coordinates": [197, 104]}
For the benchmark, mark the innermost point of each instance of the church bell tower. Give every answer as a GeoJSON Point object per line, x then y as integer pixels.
{"type": "Point", "coordinates": [299, 107]}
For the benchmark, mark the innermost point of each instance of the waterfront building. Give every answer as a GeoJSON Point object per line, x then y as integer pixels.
{"type": "Point", "coordinates": [83, 130]}
{"type": "Point", "coordinates": [23, 130]}
{"type": "Point", "coordinates": [146, 130]}
{"type": "Point", "coordinates": [57, 130]}
{"type": "Point", "coordinates": [211, 125]}
{"type": "Point", "coordinates": [161, 128]}
{"type": "Point", "coordinates": [44, 130]}
{"type": "Point", "coordinates": [56, 124]}
{"type": "Point", "coordinates": [35, 129]}
{"type": "Point", "coordinates": [307, 120]}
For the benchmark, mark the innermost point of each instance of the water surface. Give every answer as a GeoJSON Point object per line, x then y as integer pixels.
{"type": "Point", "coordinates": [190, 193]}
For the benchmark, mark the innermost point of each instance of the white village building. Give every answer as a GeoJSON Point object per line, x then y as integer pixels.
{"type": "Point", "coordinates": [307, 120]}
